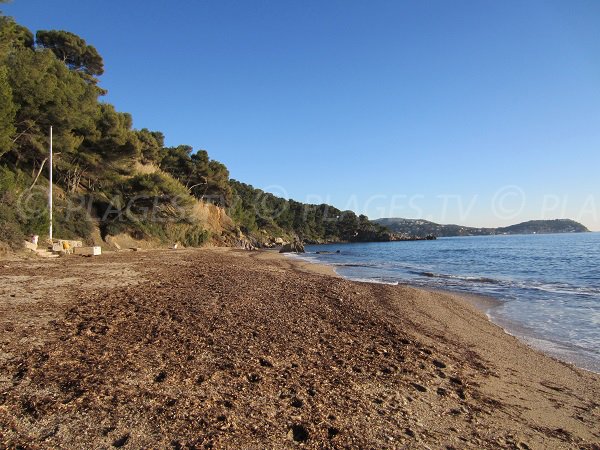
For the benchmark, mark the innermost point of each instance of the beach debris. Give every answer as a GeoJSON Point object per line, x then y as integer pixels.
{"type": "Point", "coordinates": [456, 380]}
{"type": "Point", "coordinates": [121, 441]}
{"type": "Point", "coordinates": [332, 432]}
{"type": "Point", "coordinates": [265, 362]}
{"type": "Point", "coordinates": [439, 364]}
{"type": "Point", "coordinates": [258, 349]}
{"type": "Point", "coordinates": [298, 433]}
{"type": "Point", "coordinates": [253, 378]}
{"type": "Point", "coordinates": [419, 387]}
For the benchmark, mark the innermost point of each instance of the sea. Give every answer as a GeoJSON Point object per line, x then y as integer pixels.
{"type": "Point", "coordinates": [544, 288]}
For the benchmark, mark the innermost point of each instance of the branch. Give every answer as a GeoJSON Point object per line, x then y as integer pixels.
{"type": "Point", "coordinates": [196, 185]}
{"type": "Point", "coordinates": [23, 133]}
{"type": "Point", "coordinates": [38, 174]}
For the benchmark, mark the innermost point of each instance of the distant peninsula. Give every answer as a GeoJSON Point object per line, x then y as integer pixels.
{"type": "Point", "coordinates": [422, 228]}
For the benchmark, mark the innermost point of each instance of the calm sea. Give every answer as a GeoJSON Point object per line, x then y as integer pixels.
{"type": "Point", "coordinates": [547, 287]}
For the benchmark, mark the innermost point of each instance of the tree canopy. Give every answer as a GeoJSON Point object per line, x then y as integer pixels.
{"type": "Point", "coordinates": [73, 51]}
{"type": "Point", "coordinates": [7, 113]}
{"type": "Point", "coordinates": [14, 35]}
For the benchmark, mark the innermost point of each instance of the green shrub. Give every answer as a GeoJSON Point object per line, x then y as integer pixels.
{"type": "Point", "coordinates": [190, 235]}
{"type": "Point", "coordinates": [10, 229]}
{"type": "Point", "coordinates": [23, 212]}
{"type": "Point", "coordinates": [72, 221]}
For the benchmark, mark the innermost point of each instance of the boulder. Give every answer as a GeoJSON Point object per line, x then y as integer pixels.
{"type": "Point", "coordinates": [31, 246]}
{"type": "Point", "coordinates": [294, 247]}
{"type": "Point", "coordinates": [246, 244]}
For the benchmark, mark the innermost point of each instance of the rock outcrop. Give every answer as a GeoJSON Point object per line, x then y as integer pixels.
{"type": "Point", "coordinates": [294, 247]}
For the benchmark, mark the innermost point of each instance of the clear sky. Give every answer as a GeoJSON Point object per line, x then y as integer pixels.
{"type": "Point", "coordinates": [483, 113]}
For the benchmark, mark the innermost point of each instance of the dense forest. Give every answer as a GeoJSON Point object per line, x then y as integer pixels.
{"type": "Point", "coordinates": [257, 210]}
{"type": "Point", "coordinates": [110, 178]}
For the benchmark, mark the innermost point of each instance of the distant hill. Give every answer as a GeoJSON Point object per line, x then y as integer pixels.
{"type": "Point", "coordinates": [418, 227]}
{"type": "Point", "coordinates": [544, 227]}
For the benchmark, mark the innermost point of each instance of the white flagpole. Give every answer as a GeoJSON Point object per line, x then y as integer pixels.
{"type": "Point", "coordinates": [50, 188]}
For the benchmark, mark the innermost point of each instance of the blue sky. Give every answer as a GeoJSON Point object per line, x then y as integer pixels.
{"type": "Point", "coordinates": [482, 113]}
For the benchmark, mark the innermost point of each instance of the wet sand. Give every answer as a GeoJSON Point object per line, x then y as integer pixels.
{"type": "Point", "coordinates": [219, 348]}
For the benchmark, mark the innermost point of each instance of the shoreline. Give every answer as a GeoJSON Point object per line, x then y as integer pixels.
{"type": "Point", "coordinates": [569, 354]}
{"type": "Point", "coordinates": [525, 335]}
{"type": "Point", "coordinates": [231, 348]}
{"type": "Point", "coordinates": [486, 304]}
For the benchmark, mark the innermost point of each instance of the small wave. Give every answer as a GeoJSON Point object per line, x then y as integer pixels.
{"type": "Point", "coordinates": [457, 277]}
{"type": "Point", "coordinates": [355, 265]}
{"type": "Point", "coordinates": [373, 280]}
{"type": "Point", "coordinates": [553, 288]}
{"type": "Point", "coordinates": [307, 258]}
{"type": "Point", "coordinates": [561, 289]}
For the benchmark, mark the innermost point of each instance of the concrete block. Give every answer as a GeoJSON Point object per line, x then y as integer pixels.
{"type": "Point", "coordinates": [87, 251]}
{"type": "Point", "coordinates": [66, 244]}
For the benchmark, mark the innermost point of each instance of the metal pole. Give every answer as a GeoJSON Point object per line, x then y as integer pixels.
{"type": "Point", "coordinates": [50, 188]}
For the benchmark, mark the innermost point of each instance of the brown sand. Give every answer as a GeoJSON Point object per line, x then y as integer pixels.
{"type": "Point", "coordinates": [230, 349]}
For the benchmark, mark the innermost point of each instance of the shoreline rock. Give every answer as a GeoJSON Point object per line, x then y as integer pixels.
{"type": "Point", "coordinates": [294, 247]}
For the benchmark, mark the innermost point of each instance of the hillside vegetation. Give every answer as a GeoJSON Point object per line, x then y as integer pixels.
{"type": "Point", "coordinates": [111, 179]}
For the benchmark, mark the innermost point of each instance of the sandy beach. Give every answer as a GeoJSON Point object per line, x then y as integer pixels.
{"type": "Point", "coordinates": [222, 348]}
